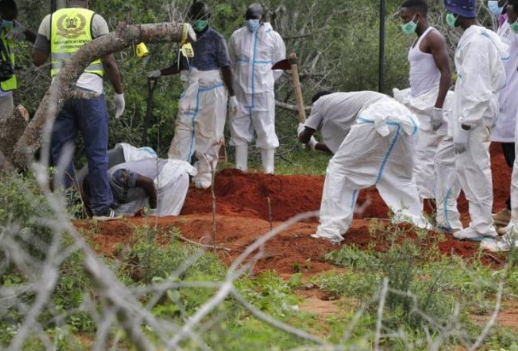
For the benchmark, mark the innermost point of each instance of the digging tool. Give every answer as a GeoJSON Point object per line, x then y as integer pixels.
{"type": "Point", "coordinates": [151, 86]}
{"type": "Point", "coordinates": [290, 64]}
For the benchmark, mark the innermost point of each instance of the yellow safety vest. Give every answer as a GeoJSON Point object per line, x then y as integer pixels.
{"type": "Point", "coordinates": [12, 83]}
{"type": "Point", "coordinates": [71, 28]}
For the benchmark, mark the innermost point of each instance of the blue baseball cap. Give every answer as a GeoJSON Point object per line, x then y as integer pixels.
{"type": "Point", "coordinates": [463, 8]}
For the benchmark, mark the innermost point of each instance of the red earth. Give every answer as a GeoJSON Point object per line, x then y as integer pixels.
{"type": "Point", "coordinates": [243, 215]}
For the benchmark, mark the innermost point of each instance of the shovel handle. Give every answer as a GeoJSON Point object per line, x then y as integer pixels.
{"type": "Point", "coordinates": [297, 87]}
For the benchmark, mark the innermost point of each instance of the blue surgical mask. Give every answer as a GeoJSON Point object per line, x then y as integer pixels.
{"type": "Point", "coordinates": [6, 23]}
{"type": "Point", "coordinates": [494, 8]}
{"type": "Point", "coordinates": [253, 25]}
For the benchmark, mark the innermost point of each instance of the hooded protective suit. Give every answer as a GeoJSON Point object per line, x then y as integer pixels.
{"type": "Point", "coordinates": [201, 120]}
{"type": "Point", "coordinates": [481, 76]}
{"type": "Point", "coordinates": [377, 151]}
{"type": "Point", "coordinates": [252, 55]}
{"type": "Point", "coordinates": [434, 172]}
{"type": "Point", "coordinates": [503, 131]}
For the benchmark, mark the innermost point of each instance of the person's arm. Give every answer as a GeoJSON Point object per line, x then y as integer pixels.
{"type": "Point", "coordinates": [439, 52]}
{"type": "Point", "coordinates": [30, 36]}
{"type": "Point", "coordinates": [306, 135]}
{"type": "Point", "coordinates": [228, 79]}
{"type": "Point", "coordinates": [112, 72]}
{"type": "Point", "coordinates": [474, 84]}
{"type": "Point", "coordinates": [39, 57]}
{"type": "Point", "coordinates": [279, 54]}
{"type": "Point", "coordinates": [148, 186]}
{"type": "Point", "coordinates": [171, 70]}
{"type": "Point", "coordinates": [323, 147]}
{"type": "Point", "coordinates": [41, 47]}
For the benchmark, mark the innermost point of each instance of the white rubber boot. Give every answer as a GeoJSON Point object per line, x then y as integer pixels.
{"type": "Point", "coordinates": [268, 159]}
{"type": "Point", "coordinates": [242, 157]}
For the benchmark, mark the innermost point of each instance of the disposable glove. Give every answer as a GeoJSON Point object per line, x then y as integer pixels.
{"type": "Point", "coordinates": [311, 145]}
{"type": "Point", "coordinates": [120, 104]}
{"type": "Point", "coordinates": [300, 129]}
{"type": "Point", "coordinates": [460, 141]}
{"type": "Point", "coordinates": [233, 104]}
{"type": "Point", "coordinates": [154, 74]}
{"type": "Point", "coordinates": [17, 33]}
{"type": "Point", "coordinates": [437, 118]}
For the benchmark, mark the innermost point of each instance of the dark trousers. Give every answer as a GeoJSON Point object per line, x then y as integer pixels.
{"type": "Point", "coordinates": [90, 117]}
{"type": "Point", "coordinates": [509, 154]}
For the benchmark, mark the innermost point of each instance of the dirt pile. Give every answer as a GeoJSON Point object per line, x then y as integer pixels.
{"type": "Point", "coordinates": [246, 195]}
{"type": "Point", "coordinates": [242, 207]}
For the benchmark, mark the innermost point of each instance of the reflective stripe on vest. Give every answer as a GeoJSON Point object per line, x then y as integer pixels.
{"type": "Point", "coordinates": [71, 29]}
{"type": "Point", "coordinates": [12, 83]}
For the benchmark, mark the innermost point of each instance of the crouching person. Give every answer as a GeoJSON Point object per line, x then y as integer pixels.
{"type": "Point", "coordinates": [157, 185]}
{"type": "Point", "coordinates": [378, 150]}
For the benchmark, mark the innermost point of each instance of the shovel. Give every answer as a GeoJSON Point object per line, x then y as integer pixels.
{"type": "Point", "coordinates": [290, 64]}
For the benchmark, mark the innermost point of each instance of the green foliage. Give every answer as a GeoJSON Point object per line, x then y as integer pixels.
{"type": "Point", "coordinates": [22, 212]}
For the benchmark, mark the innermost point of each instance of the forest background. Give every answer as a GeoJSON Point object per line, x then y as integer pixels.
{"type": "Point", "coordinates": [337, 42]}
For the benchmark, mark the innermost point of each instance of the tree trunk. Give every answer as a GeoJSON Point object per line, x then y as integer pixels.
{"type": "Point", "coordinates": [11, 129]}
{"type": "Point", "coordinates": [62, 86]}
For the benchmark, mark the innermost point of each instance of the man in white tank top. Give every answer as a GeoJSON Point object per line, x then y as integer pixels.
{"type": "Point", "coordinates": [428, 97]}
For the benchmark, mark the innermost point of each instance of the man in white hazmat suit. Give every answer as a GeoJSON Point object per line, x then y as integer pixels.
{"type": "Point", "coordinates": [378, 150]}
{"type": "Point", "coordinates": [207, 80]}
{"type": "Point", "coordinates": [481, 76]}
{"type": "Point", "coordinates": [504, 130]}
{"type": "Point", "coordinates": [510, 239]}
{"type": "Point", "coordinates": [253, 50]}
{"type": "Point", "coordinates": [428, 98]}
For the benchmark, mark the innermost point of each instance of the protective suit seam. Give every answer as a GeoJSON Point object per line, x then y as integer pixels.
{"type": "Point", "coordinates": [391, 148]}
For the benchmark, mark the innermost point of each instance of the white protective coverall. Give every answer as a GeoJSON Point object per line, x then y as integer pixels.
{"type": "Point", "coordinates": [252, 56]}
{"type": "Point", "coordinates": [171, 178]}
{"type": "Point", "coordinates": [201, 120]}
{"type": "Point", "coordinates": [434, 172]}
{"type": "Point", "coordinates": [509, 99]}
{"type": "Point", "coordinates": [377, 151]}
{"type": "Point", "coordinates": [503, 131]}
{"type": "Point", "coordinates": [481, 76]}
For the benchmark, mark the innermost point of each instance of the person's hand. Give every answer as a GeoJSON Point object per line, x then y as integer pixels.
{"type": "Point", "coordinates": [120, 104]}
{"type": "Point", "coordinates": [154, 75]}
{"type": "Point", "coordinates": [437, 118]}
{"type": "Point", "coordinates": [311, 145]}
{"type": "Point", "coordinates": [233, 105]}
{"type": "Point", "coordinates": [17, 33]}
{"type": "Point", "coordinates": [460, 141]}
{"type": "Point", "coordinates": [300, 129]}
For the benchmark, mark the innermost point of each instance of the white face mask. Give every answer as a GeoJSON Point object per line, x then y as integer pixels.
{"type": "Point", "coordinates": [253, 25]}
{"type": "Point", "coordinates": [494, 8]}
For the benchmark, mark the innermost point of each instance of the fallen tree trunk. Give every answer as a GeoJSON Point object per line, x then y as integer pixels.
{"type": "Point", "coordinates": [62, 86]}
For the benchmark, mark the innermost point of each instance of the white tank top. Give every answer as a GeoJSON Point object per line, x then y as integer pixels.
{"type": "Point", "coordinates": [424, 74]}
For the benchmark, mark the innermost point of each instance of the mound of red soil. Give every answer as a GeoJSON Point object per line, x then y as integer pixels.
{"type": "Point", "coordinates": [246, 195]}
{"type": "Point", "coordinates": [243, 216]}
